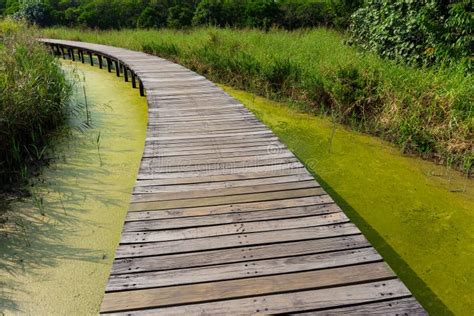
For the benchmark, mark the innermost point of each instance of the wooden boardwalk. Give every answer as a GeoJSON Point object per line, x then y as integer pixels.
{"type": "Point", "coordinates": [224, 219]}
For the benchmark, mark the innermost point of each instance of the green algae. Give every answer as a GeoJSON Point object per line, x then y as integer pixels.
{"type": "Point", "coordinates": [57, 257]}
{"type": "Point", "coordinates": [417, 214]}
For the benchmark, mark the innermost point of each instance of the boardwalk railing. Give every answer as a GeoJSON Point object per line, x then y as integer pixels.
{"type": "Point", "coordinates": [224, 219]}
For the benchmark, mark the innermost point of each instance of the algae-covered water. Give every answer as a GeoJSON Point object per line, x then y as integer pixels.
{"type": "Point", "coordinates": [56, 259]}
{"type": "Point", "coordinates": [419, 216]}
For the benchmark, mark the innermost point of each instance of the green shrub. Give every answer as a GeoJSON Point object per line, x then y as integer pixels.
{"type": "Point", "coordinates": [355, 95]}
{"type": "Point", "coordinates": [419, 32]}
{"type": "Point", "coordinates": [33, 101]}
{"type": "Point", "coordinates": [281, 75]}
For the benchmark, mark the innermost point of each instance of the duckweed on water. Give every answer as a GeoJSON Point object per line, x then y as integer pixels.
{"type": "Point", "coordinates": [417, 214]}
{"type": "Point", "coordinates": [57, 259]}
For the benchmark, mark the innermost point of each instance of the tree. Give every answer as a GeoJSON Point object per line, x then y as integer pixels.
{"type": "Point", "coordinates": [180, 16]}
{"type": "Point", "coordinates": [261, 13]}
{"type": "Point", "coordinates": [33, 11]}
{"type": "Point", "coordinates": [155, 14]}
{"type": "Point", "coordinates": [209, 12]}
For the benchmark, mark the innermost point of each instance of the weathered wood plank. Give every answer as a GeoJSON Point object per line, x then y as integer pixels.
{"type": "Point", "coordinates": [241, 270]}
{"type": "Point", "coordinates": [399, 306]}
{"type": "Point", "coordinates": [162, 180]}
{"type": "Point", "coordinates": [186, 294]}
{"type": "Point", "coordinates": [161, 196]}
{"type": "Point", "coordinates": [216, 170]}
{"type": "Point", "coordinates": [142, 232]}
{"type": "Point", "coordinates": [293, 204]}
{"type": "Point", "coordinates": [220, 185]}
{"type": "Point", "coordinates": [196, 221]}
{"type": "Point", "coordinates": [291, 302]}
{"type": "Point", "coordinates": [208, 201]}
{"type": "Point", "coordinates": [238, 240]}
{"type": "Point", "coordinates": [232, 255]}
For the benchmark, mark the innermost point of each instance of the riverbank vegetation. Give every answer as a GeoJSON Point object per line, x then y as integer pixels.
{"type": "Point", "coordinates": [34, 95]}
{"type": "Point", "coordinates": [424, 110]}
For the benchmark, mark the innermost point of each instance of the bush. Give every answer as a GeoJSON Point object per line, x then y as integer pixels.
{"type": "Point", "coordinates": [355, 95]}
{"type": "Point", "coordinates": [34, 97]}
{"type": "Point", "coordinates": [180, 16]}
{"type": "Point", "coordinates": [34, 11]}
{"type": "Point", "coordinates": [419, 32]}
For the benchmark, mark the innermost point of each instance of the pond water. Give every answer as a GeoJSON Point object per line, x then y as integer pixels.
{"type": "Point", "coordinates": [419, 216]}
{"type": "Point", "coordinates": [58, 256]}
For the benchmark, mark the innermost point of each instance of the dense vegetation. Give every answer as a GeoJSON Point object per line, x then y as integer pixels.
{"type": "Point", "coordinates": [420, 32]}
{"type": "Point", "coordinates": [33, 98]}
{"type": "Point", "coordinates": [107, 14]}
{"type": "Point", "coordinates": [427, 111]}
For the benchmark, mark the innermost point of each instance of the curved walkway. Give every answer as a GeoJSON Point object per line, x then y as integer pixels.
{"type": "Point", "coordinates": [224, 219]}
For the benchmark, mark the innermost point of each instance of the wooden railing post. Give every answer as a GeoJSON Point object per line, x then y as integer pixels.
{"type": "Point", "coordinates": [134, 82]}
{"type": "Point", "coordinates": [142, 90]}
{"type": "Point", "coordinates": [91, 58]}
{"type": "Point", "coordinates": [125, 73]}
{"type": "Point", "coordinates": [117, 68]}
{"type": "Point", "coordinates": [109, 64]}
{"type": "Point", "coordinates": [100, 60]}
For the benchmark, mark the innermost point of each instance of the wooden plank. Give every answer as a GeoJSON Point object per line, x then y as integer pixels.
{"type": "Point", "coordinates": [195, 178]}
{"type": "Point", "coordinates": [162, 196]}
{"type": "Point", "coordinates": [192, 161]}
{"type": "Point", "coordinates": [141, 232]}
{"type": "Point", "coordinates": [185, 130]}
{"type": "Point", "coordinates": [269, 170]}
{"type": "Point", "coordinates": [216, 140]}
{"type": "Point", "coordinates": [232, 255]}
{"type": "Point", "coordinates": [292, 302]}
{"type": "Point", "coordinates": [238, 240]}
{"type": "Point", "coordinates": [241, 270]}
{"type": "Point", "coordinates": [398, 306]}
{"type": "Point", "coordinates": [221, 185]}
{"type": "Point", "coordinates": [294, 204]}
{"type": "Point", "coordinates": [220, 290]}
{"type": "Point", "coordinates": [219, 167]}
{"type": "Point", "coordinates": [196, 221]}
{"type": "Point", "coordinates": [209, 201]}
{"type": "Point", "coordinates": [234, 144]}
{"type": "Point", "coordinates": [211, 154]}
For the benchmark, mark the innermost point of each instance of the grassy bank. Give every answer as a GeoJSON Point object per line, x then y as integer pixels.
{"type": "Point", "coordinates": [424, 111]}
{"type": "Point", "coordinates": [418, 215]}
{"type": "Point", "coordinates": [34, 95]}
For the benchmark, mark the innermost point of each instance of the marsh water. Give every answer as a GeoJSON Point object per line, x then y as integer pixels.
{"type": "Point", "coordinates": [57, 257]}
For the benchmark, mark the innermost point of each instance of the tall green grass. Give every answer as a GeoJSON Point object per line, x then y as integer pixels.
{"type": "Point", "coordinates": [425, 111]}
{"type": "Point", "coordinates": [34, 94]}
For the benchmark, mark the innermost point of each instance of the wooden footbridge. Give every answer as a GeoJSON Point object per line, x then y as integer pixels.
{"type": "Point", "coordinates": [224, 219]}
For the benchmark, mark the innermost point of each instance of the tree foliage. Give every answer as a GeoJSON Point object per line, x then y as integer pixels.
{"type": "Point", "coordinates": [115, 14]}
{"type": "Point", "coordinates": [420, 32]}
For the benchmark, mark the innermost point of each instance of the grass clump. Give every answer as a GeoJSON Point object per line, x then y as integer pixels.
{"type": "Point", "coordinates": [425, 111]}
{"type": "Point", "coordinates": [34, 94]}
